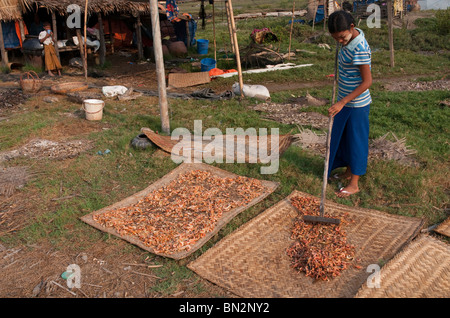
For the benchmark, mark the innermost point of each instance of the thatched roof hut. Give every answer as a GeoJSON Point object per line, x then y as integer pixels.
{"type": "Point", "coordinates": [12, 9]}
{"type": "Point", "coordinates": [95, 6]}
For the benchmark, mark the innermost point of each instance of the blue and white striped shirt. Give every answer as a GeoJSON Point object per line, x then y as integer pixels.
{"type": "Point", "coordinates": [356, 53]}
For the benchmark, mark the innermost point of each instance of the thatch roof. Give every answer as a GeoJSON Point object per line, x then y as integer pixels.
{"type": "Point", "coordinates": [94, 6]}
{"type": "Point", "coordinates": [11, 9]}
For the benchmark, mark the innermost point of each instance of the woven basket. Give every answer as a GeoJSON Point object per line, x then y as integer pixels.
{"type": "Point", "coordinates": [31, 84]}
{"type": "Point", "coordinates": [70, 87]}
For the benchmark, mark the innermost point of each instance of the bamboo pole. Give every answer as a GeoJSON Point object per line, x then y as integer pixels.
{"type": "Point", "coordinates": [227, 10]}
{"type": "Point", "coordinates": [159, 61]}
{"type": "Point", "coordinates": [139, 37]}
{"type": "Point", "coordinates": [214, 32]}
{"type": "Point", "coordinates": [290, 33]}
{"type": "Point", "coordinates": [188, 35]}
{"type": "Point", "coordinates": [236, 48]}
{"type": "Point", "coordinates": [4, 53]}
{"type": "Point", "coordinates": [102, 39]}
{"type": "Point", "coordinates": [391, 32]}
{"type": "Point", "coordinates": [80, 46]}
{"type": "Point", "coordinates": [85, 44]}
{"type": "Point", "coordinates": [315, 13]}
{"type": "Point", "coordinates": [55, 33]}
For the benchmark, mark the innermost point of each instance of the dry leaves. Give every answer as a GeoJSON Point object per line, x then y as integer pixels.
{"type": "Point", "coordinates": [320, 251]}
{"type": "Point", "coordinates": [173, 218]}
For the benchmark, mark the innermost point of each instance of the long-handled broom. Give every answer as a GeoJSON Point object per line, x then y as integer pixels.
{"type": "Point", "coordinates": [321, 218]}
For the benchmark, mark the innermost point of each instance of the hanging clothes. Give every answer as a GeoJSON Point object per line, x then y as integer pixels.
{"type": "Point", "coordinates": [172, 11]}
{"type": "Point", "coordinates": [19, 35]}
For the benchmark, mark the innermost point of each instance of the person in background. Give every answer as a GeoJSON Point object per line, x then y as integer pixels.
{"type": "Point", "coordinates": [178, 21]}
{"type": "Point", "coordinates": [52, 62]}
{"type": "Point", "coordinates": [349, 145]}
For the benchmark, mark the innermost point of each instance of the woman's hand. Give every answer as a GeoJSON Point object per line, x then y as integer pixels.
{"type": "Point", "coordinates": [336, 108]}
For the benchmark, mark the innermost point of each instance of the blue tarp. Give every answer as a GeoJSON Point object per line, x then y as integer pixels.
{"type": "Point", "coordinates": [9, 35]}
{"type": "Point", "coordinates": [318, 19]}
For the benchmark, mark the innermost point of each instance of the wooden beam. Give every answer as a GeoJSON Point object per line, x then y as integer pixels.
{"type": "Point", "coordinates": [160, 73]}
{"type": "Point", "coordinates": [85, 38]}
{"type": "Point", "coordinates": [316, 6]}
{"type": "Point", "coordinates": [188, 35]}
{"type": "Point", "coordinates": [4, 53]}
{"type": "Point", "coordinates": [236, 48]}
{"type": "Point", "coordinates": [139, 37]}
{"type": "Point", "coordinates": [227, 9]}
{"type": "Point", "coordinates": [55, 33]}
{"type": "Point", "coordinates": [290, 33]}
{"type": "Point", "coordinates": [391, 32]}
{"type": "Point", "coordinates": [81, 48]}
{"type": "Point", "coordinates": [102, 39]}
{"type": "Point", "coordinates": [214, 32]}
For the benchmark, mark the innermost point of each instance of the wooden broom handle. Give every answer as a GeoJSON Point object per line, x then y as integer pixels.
{"type": "Point", "coordinates": [330, 126]}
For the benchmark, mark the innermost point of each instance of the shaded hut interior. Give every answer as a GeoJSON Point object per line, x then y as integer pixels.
{"type": "Point", "coordinates": [112, 25]}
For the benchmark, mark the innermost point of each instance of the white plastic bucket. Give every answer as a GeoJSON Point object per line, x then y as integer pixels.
{"type": "Point", "coordinates": [93, 109]}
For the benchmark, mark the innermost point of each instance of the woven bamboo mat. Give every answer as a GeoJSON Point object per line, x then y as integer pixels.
{"type": "Point", "coordinates": [179, 80]}
{"type": "Point", "coordinates": [164, 181]}
{"type": "Point", "coordinates": [444, 228]}
{"type": "Point", "coordinates": [248, 149]}
{"type": "Point", "coordinates": [252, 261]}
{"type": "Point", "coordinates": [421, 270]}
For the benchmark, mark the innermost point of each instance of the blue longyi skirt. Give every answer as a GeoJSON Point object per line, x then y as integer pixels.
{"type": "Point", "coordinates": [349, 145]}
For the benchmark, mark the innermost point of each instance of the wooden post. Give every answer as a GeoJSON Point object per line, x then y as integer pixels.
{"type": "Point", "coordinates": [159, 61]}
{"type": "Point", "coordinates": [315, 13]}
{"type": "Point", "coordinates": [55, 33]}
{"type": "Point", "coordinates": [139, 37]}
{"type": "Point", "coordinates": [325, 15]}
{"type": "Point", "coordinates": [391, 32]}
{"type": "Point", "coordinates": [236, 48]}
{"type": "Point", "coordinates": [80, 45]}
{"type": "Point", "coordinates": [111, 34]}
{"type": "Point", "coordinates": [290, 33]}
{"type": "Point", "coordinates": [188, 35]}
{"type": "Point", "coordinates": [2, 48]}
{"type": "Point", "coordinates": [102, 39]}
{"type": "Point", "coordinates": [85, 38]}
{"type": "Point", "coordinates": [214, 31]}
{"type": "Point", "coordinates": [227, 9]}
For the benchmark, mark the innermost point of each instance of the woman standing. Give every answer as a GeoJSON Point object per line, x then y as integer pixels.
{"type": "Point", "coordinates": [51, 59]}
{"type": "Point", "coordinates": [349, 145]}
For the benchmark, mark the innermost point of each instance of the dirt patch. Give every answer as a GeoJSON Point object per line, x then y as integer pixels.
{"type": "Point", "coordinates": [69, 128]}
{"type": "Point", "coordinates": [12, 178]}
{"type": "Point", "coordinates": [106, 271]}
{"type": "Point", "coordinates": [10, 99]}
{"type": "Point", "coordinates": [401, 85]}
{"type": "Point", "coordinates": [291, 114]}
{"type": "Point", "coordinates": [43, 148]}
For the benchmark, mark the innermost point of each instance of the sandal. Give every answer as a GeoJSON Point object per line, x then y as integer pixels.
{"type": "Point", "coordinates": [344, 193]}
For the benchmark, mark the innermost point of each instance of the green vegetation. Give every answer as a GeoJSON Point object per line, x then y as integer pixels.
{"type": "Point", "coordinates": [99, 181]}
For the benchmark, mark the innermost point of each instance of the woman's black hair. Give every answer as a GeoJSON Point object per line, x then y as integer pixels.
{"type": "Point", "coordinates": [340, 21]}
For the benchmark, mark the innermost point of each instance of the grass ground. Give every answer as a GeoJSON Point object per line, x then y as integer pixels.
{"type": "Point", "coordinates": [99, 181]}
